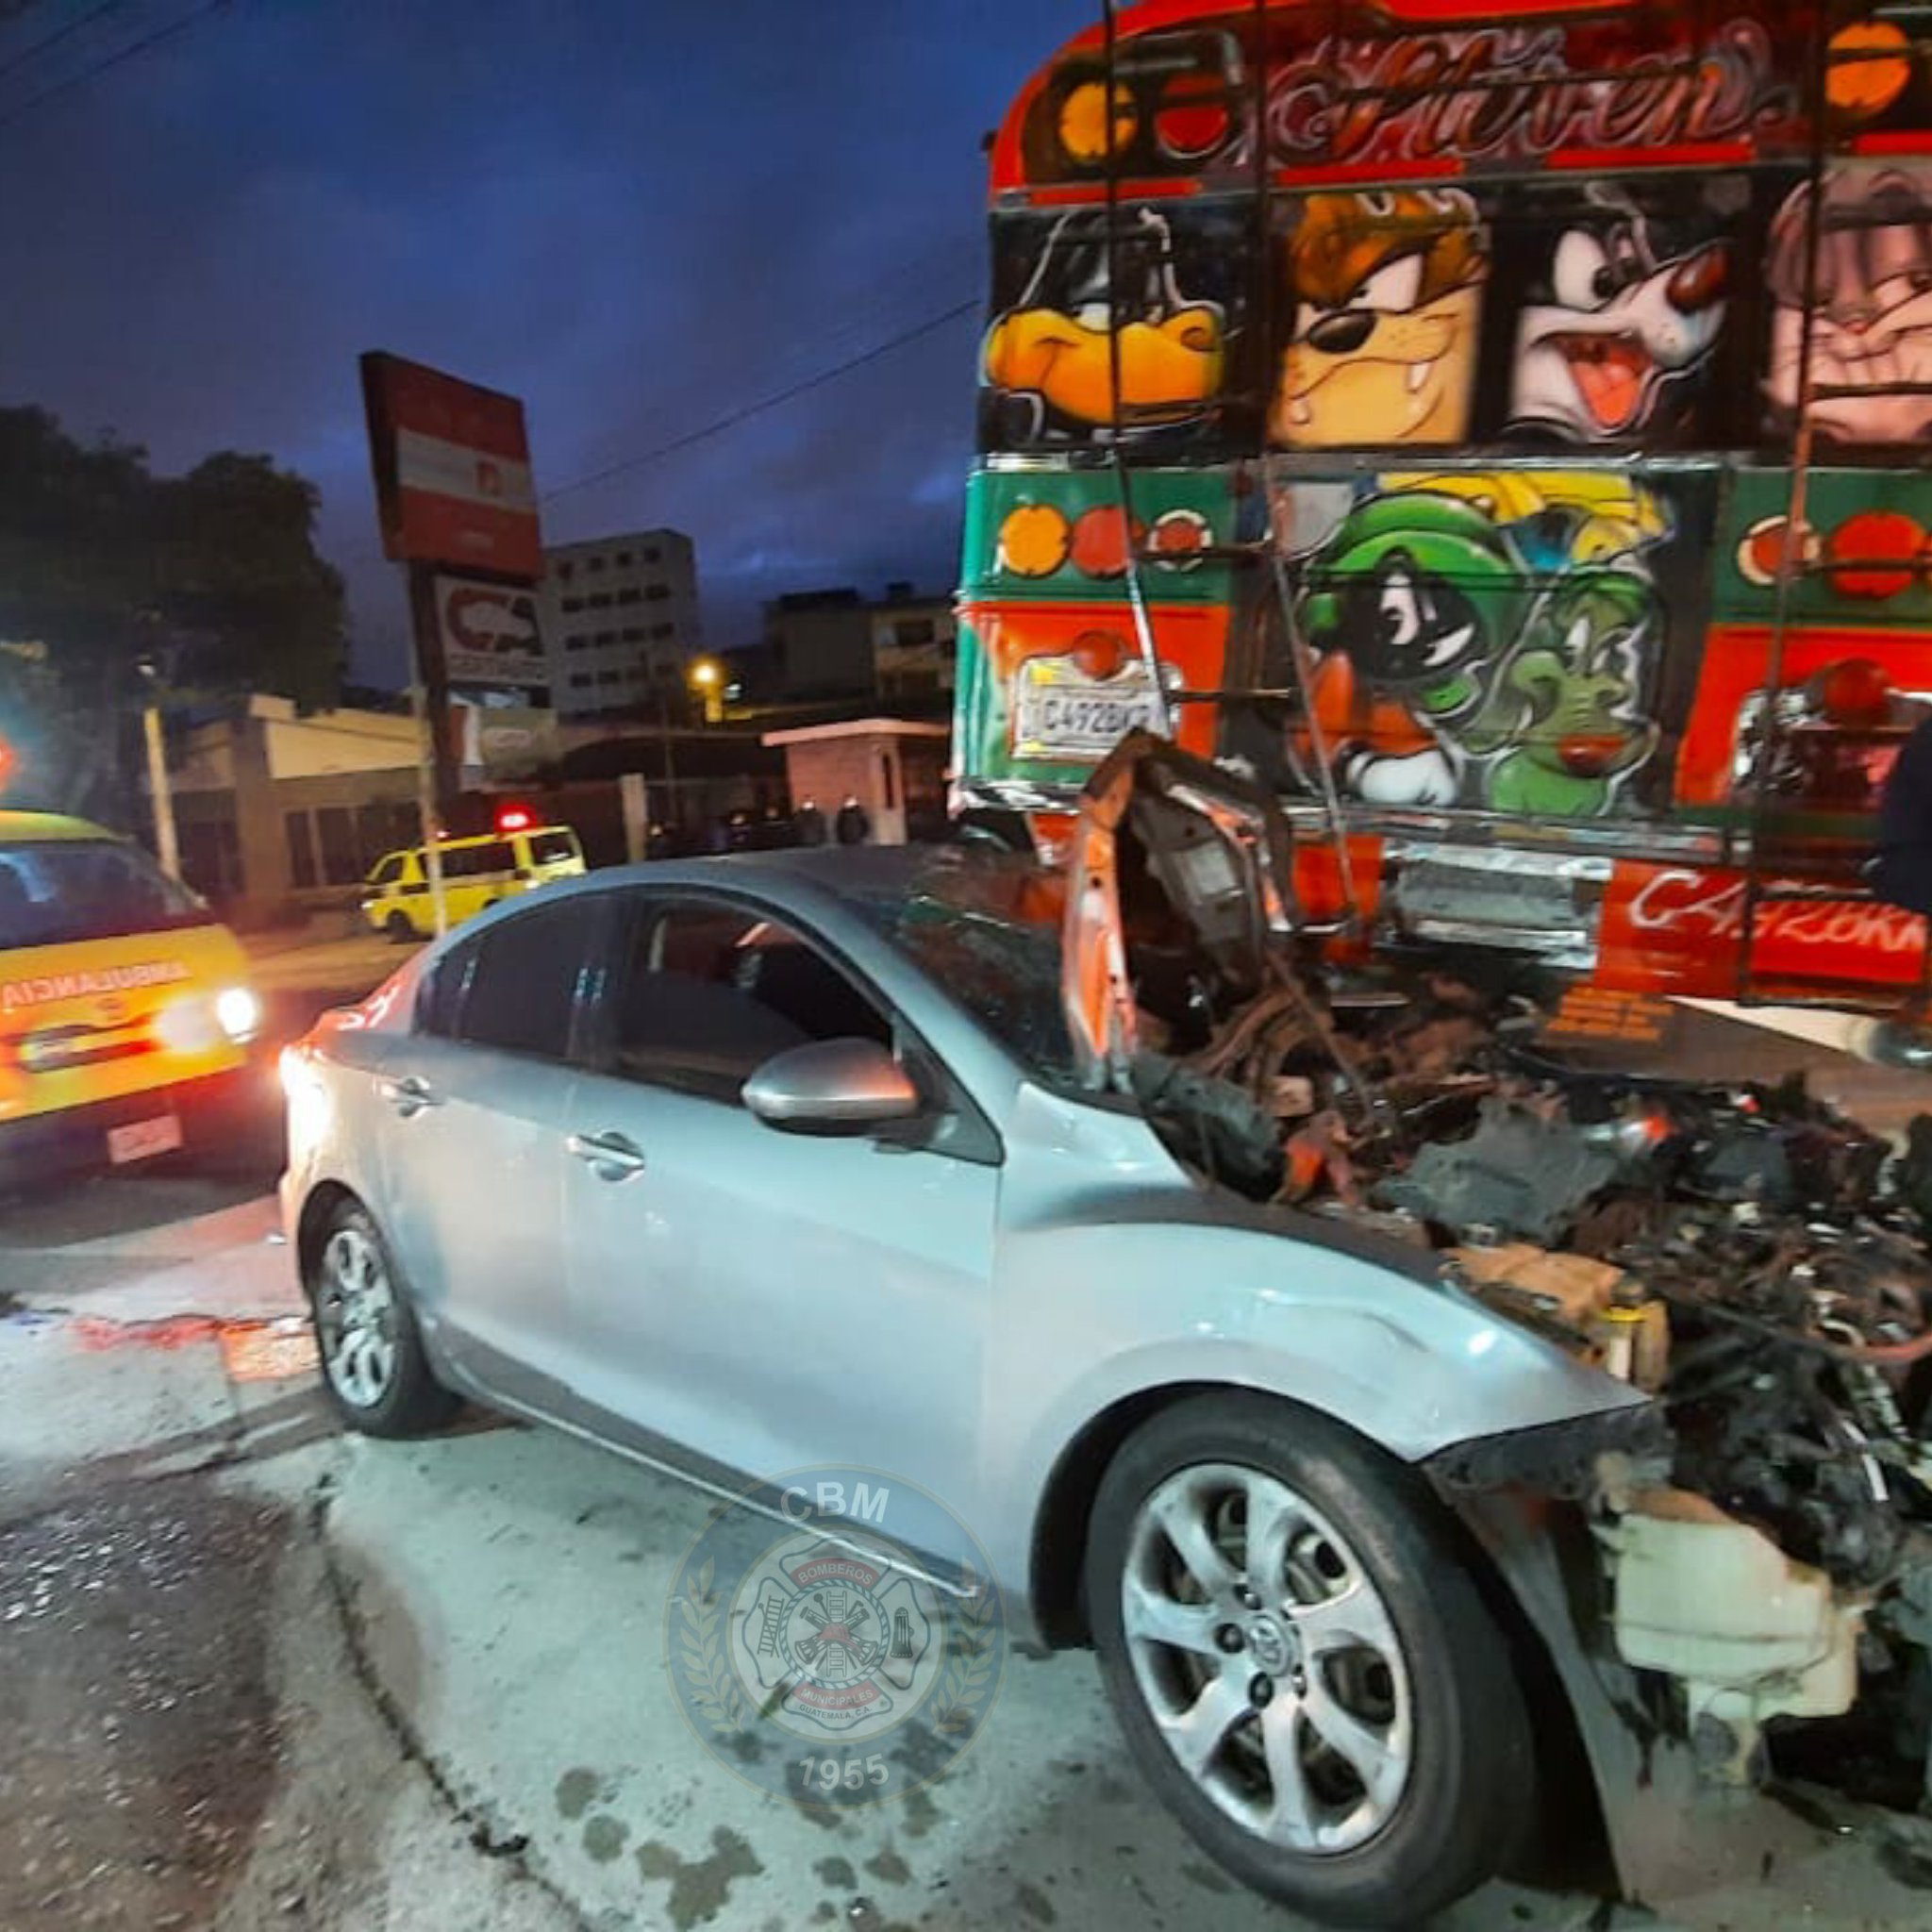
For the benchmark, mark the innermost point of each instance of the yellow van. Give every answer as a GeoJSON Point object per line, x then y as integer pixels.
{"type": "Point", "coordinates": [476, 872]}
{"type": "Point", "coordinates": [124, 1006]}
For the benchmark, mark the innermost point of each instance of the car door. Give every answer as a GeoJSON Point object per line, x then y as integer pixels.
{"type": "Point", "coordinates": [769, 1299]}
{"type": "Point", "coordinates": [478, 1102]}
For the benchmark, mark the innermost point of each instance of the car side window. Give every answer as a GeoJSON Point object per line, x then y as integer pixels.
{"type": "Point", "coordinates": [440, 998]}
{"type": "Point", "coordinates": [707, 993]}
{"type": "Point", "coordinates": [522, 991]}
{"type": "Point", "coordinates": [481, 860]}
{"type": "Point", "coordinates": [387, 872]}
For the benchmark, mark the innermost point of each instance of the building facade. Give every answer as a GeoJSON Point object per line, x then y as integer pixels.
{"type": "Point", "coordinates": [837, 644]}
{"type": "Point", "coordinates": [915, 642]}
{"type": "Point", "coordinates": [271, 806]}
{"type": "Point", "coordinates": [619, 620]}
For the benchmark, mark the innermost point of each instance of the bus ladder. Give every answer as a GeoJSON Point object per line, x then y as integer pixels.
{"type": "Point", "coordinates": [1333, 834]}
{"type": "Point", "coordinates": [1772, 876]}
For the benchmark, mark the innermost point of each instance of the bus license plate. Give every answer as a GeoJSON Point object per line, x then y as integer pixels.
{"type": "Point", "coordinates": [144, 1139]}
{"type": "Point", "coordinates": [1079, 719]}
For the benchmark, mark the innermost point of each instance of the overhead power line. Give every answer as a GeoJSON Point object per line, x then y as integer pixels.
{"type": "Point", "coordinates": [29, 55]}
{"type": "Point", "coordinates": [132, 51]}
{"type": "Point", "coordinates": [789, 394]}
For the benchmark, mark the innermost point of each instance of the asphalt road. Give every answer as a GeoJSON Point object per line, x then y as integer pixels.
{"type": "Point", "coordinates": [259, 1675]}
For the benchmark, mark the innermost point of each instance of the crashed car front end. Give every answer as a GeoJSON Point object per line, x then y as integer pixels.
{"type": "Point", "coordinates": [1752, 1564]}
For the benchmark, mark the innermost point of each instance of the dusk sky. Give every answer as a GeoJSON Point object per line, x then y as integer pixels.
{"type": "Point", "coordinates": [638, 216]}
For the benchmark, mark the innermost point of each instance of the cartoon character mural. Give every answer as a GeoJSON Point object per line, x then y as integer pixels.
{"type": "Point", "coordinates": [1049, 360]}
{"type": "Point", "coordinates": [1560, 715]}
{"type": "Point", "coordinates": [1387, 292]}
{"type": "Point", "coordinates": [1621, 318]}
{"type": "Point", "coordinates": [1486, 639]}
{"type": "Point", "coordinates": [1872, 327]}
{"type": "Point", "coordinates": [1413, 596]}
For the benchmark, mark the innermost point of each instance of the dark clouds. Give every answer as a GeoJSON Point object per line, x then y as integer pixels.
{"type": "Point", "coordinates": [636, 215]}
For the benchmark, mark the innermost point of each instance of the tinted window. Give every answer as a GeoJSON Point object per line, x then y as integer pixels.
{"type": "Point", "coordinates": [708, 993]}
{"type": "Point", "coordinates": [477, 861]}
{"type": "Point", "coordinates": [440, 999]}
{"type": "Point", "coordinates": [342, 859]}
{"type": "Point", "coordinates": [301, 850]}
{"type": "Point", "coordinates": [523, 990]}
{"type": "Point", "coordinates": [547, 848]}
{"type": "Point", "coordinates": [87, 889]}
{"type": "Point", "coordinates": [388, 871]}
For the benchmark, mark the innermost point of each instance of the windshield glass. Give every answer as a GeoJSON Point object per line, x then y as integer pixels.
{"type": "Point", "coordinates": [60, 890]}
{"type": "Point", "coordinates": [987, 929]}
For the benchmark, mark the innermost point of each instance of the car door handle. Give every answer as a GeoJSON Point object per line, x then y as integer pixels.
{"type": "Point", "coordinates": [411, 1094]}
{"type": "Point", "coordinates": [609, 1157]}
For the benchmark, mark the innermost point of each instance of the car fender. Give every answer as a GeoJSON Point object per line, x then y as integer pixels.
{"type": "Point", "coordinates": [1100, 1315]}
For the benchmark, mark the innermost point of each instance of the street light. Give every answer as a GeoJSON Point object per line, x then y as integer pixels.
{"type": "Point", "coordinates": [706, 677]}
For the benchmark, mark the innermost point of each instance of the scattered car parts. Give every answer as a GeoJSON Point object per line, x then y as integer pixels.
{"type": "Point", "coordinates": [1750, 1257]}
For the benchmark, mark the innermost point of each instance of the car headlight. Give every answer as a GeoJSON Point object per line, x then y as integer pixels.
{"type": "Point", "coordinates": [239, 1014]}
{"type": "Point", "coordinates": [308, 1098]}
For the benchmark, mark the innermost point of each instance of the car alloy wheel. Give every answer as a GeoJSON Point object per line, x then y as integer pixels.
{"type": "Point", "coordinates": [1268, 1658]}
{"type": "Point", "coordinates": [357, 1317]}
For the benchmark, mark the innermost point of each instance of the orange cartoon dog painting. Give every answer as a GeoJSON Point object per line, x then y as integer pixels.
{"type": "Point", "coordinates": [1387, 290]}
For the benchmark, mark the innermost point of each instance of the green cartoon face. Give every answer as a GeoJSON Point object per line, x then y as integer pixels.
{"type": "Point", "coordinates": [1577, 677]}
{"type": "Point", "coordinates": [1419, 591]}
{"type": "Point", "coordinates": [1562, 723]}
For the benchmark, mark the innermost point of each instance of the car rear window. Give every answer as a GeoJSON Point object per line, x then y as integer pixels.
{"type": "Point", "coordinates": [547, 848]}
{"type": "Point", "coordinates": [58, 890]}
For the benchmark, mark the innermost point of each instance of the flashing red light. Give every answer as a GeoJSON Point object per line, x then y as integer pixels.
{"type": "Point", "coordinates": [8, 762]}
{"type": "Point", "coordinates": [515, 818]}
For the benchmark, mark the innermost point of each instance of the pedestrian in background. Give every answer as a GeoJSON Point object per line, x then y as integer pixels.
{"type": "Point", "coordinates": [853, 825]}
{"type": "Point", "coordinates": [1901, 873]}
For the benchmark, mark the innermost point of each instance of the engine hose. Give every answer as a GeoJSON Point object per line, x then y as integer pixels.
{"type": "Point", "coordinates": [1878, 1355]}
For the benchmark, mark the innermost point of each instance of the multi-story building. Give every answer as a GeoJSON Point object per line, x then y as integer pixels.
{"type": "Point", "coordinates": [915, 642]}
{"type": "Point", "coordinates": [837, 644]}
{"type": "Point", "coordinates": [620, 618]}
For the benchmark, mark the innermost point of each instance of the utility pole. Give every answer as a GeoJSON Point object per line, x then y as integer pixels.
{"type": "Point", "coordinates": [167, 846]}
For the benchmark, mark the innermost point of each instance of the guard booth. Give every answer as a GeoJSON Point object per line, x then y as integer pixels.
{"type": "Point", "coordinates": [896, 768]}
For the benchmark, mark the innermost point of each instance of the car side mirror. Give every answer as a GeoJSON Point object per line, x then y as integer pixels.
{"type": "Point", "coordinates": [832, 1086]}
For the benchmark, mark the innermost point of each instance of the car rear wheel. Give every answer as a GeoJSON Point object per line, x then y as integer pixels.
{"type": "Point", "coordinates": [400, 928]}
{"type": "Point", "coordinates": [373, 1360]}
{"type": "Point", "coordinates": [1303, 1664]}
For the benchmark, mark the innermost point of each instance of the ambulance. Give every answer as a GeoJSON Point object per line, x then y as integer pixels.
{"type": "Point", "coordinates": [125, 1012]}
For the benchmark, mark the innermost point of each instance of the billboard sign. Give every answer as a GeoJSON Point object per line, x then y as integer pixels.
{"type": "Point", "coordinates": [506, 743]}
{"type": "Point", "coordinates": [452, 464]}
{"type": "Point", "coordinates": [488, 633]}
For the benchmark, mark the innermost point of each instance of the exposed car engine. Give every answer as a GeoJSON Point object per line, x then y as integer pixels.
{"type": "Point", "coordinates": [1747, 1255]}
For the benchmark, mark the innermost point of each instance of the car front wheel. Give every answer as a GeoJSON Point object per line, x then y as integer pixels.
{"type": "Point", "coordinates": [372, 1354]}
{"type": "Point", "coordinates": [1302, 1663]}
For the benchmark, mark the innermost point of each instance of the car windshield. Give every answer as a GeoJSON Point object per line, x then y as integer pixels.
{"type": "Point", "coordinates": [56, 891]}
{"type": "Point", "coordinates": [986, 927]}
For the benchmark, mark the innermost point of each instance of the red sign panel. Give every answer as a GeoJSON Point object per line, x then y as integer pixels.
{"type": "Point", "coordinates": [1680, 929]}
{"type": "Point", "coordinates": [452, 477]}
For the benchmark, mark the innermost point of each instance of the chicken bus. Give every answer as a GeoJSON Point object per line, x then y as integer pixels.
{"type": "Point", "coordinates": [1504, 434]}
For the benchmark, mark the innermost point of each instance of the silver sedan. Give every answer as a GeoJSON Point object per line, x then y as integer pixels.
{"type": "Point", "coordinates": [757, 1163]}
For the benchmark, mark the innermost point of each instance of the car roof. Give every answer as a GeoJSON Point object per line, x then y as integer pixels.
{"type": "Point", "coordinates": [843, 872]}
{"type": "Point", "coordinates": [19, 827]}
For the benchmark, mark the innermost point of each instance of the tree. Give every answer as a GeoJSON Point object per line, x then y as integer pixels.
{"type": "Point", "coordinates": [211, 580]}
